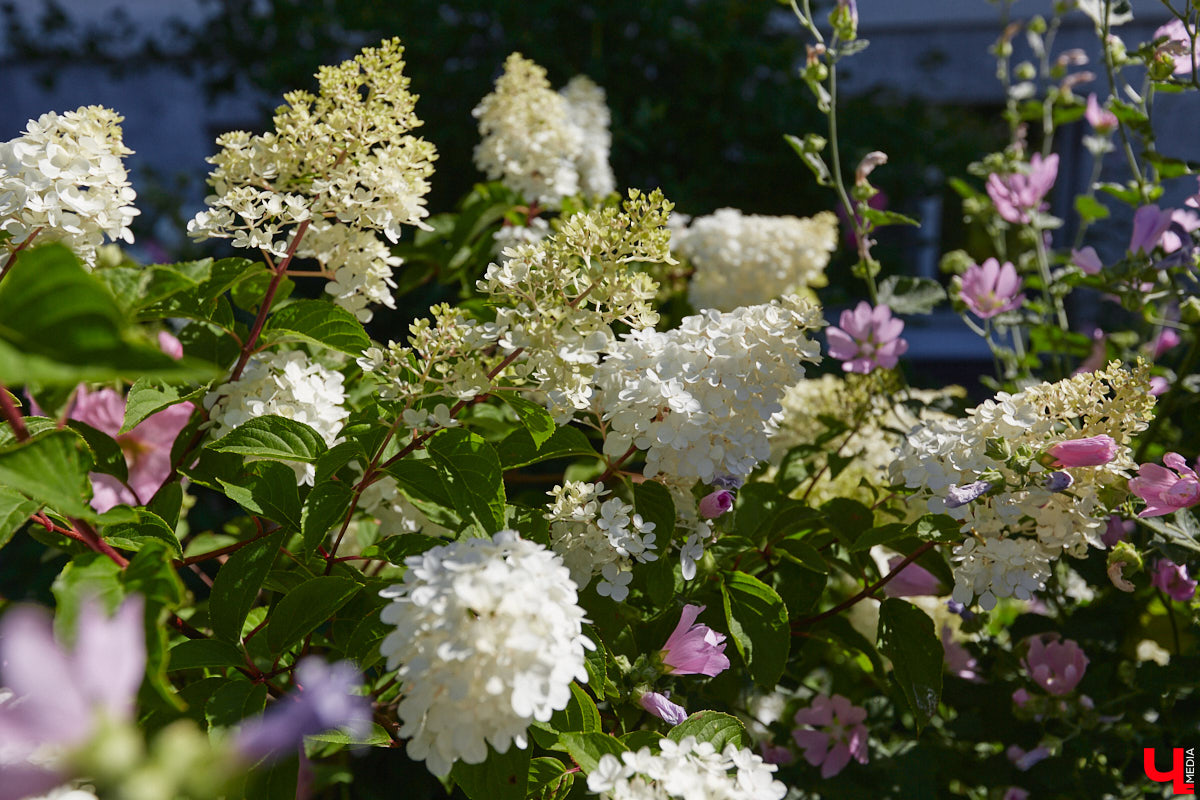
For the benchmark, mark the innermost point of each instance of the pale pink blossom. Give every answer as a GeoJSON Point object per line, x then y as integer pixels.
{"type": "Point", "coordinates": [147, 447]}
{"type": "Point", "coordinates": [912, 581]}
{"type": "Point", "coordinates": [1172, 579]}
{"type": "Point", "coordinates": [1018, 194]}
{"type": "Point", "coordinates": [1116, 574]}
{"type": "Point", "coordinates": [1178, 46]}
{"type": "Point", "coordinates": [868, 338]}
{"type": "Point", "coordinates": [170, 345]}
{"type": "Point", "coordinates": [694, 649]}
{"type": "Point", "coordinates": [1090, 451]}
{"type": "Point", "coordinates": [1087, 260]}
{"type": "Point", "coordinates": [62, 694]}
{"type": "Point", "coordinates": [1178, 233]}
{"type": "Point", "coordinates": [776, 754]}
{"type": "Point", "coordinates": [661, 706]}
{"type": "Point", "coordinates": [1166, 489]}
{"type": "Point", "coordinates": [1099, 117]}
{"type": "Point", "coordinates": [716, 503]}
{"type": "Point", "coordinates": [1020, 697]}
{"type": "Point", "coordinates": [1056, 666]}
{"type": "Point", "coordinates": [957, 659]}
{"type": "Point", "coordinates": [991, 288]}
{"type": "Point", "coordinates": [1149, 224]}
{"type": "Point", "coordinates": [836, 733]}
{"type": "Point", "coordinates": [1159, 385]}
{"type": "Point", "coordinates": [1116, 530]}
{"type": "Point", "coordinates": [1015, 793]}
{"type": "Point", "coordinates": [1025, 759]}
{"type": "Point", "coordinates": [1165, 340]}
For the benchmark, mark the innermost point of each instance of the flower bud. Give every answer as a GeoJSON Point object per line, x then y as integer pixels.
{"type": "Point", "coordinates": [716, 503]}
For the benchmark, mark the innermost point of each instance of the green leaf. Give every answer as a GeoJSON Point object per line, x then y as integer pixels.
{"type": "Point", "coordinates": [905, 294]}
{"type": "Point", "coordinates": [148, 396]}
{"type": "Point", "coordinates": [59, 324]}
{"type": "Point", "coordinates": [149, 527]}
{"type": "Point", "coordinates": [653, 502]}
{"type": "Point", "coordinates": [107, 456]}
{"type": "Point", "coordinates": [273, 437]}
{"type": "Point", "coordinates": [580, 715]}
{"type": "Point", "coordinates": [325, 507]}
{"type": "Point", "coordinates": [87, 577]}
{"type": "Point", "coordinates": [907, 637]}
{"type": "Point", "coordinates": [234, 702]}
{"type": "Point", "coordinates": [50, 470]}
{"type": "Point", "coordinates": [519, 450]}
{"type": "Point", "coordinates": [199, 653]}
{"type": "Point", "coordinates": [809, 149]}
{"type": "Point", "coordinates": [237, 584]}
{"type": "Point", "coordinates": [1090, 209]}
{"type": "Point", "coordinates": [536, 419]}
{"type": "Point", "coordinates": [712, 726]}
{"type": "Point", "coordinates": [848, 519]}
{"type": "Point", "coordinates": [884, 534]}
{"type": "Point", "coordinates": [319, 322]}
{"type": "Point", "coordinates": [151, 574]}
{"type": "Point", "coordinates": [399, 547]}
{"type": "Point", "coordinates": [502, 776]}
{"type": "Point", "coordinates": [549, 779]}
{"type": "Point", "coordinates": [587, 748]}
{"type": "Point", "coordinates": [421, 480]}
{"type": "Point", "coordinates": [378, 737]}
{"type": "Point", "coordinates": [14, 511]}
{"type": "Point", "coordinates": [881, 218]}
{"type": "Point", "coordinates": [307, 606]}
{"type": "Point", "coordinates": [266, 488]}
{"type": "Point", "coordinates": [471, 471]}
{"type": "Point", "coordinates": [758, 623]}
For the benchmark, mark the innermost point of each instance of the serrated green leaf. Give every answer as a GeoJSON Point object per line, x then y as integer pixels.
{"type": "Point", "coordinates": [881, 218]}
{"type": "Point", "coordinates": [59, 324]}
{"type": "Point", "coordinates": [14, 511]}
{"type": "Point", "coordinates": [273, 437]}
{"type": "Point", "coordinates": [1089, 208]}
{"type": "Point", "coordinates": [653, 502]}
{"type": "Point", "coordinates": [198, 653]}
{"type": "Point", "coordinates": [580, 715]}
{"type": "Point", "coordinates": [907, 637]}
{"type": "Point", "coordinates": [148, 527]}
{"type": "Point", "coordinates": [758, 624]}
{"type": "Point", "coordinates": [905, 294]}
{"type": "Point", "coordinates": [519, 450]}
{"type": "Point", "coordinates": [319, 322]}
{"type": "Point", "coordinates": [549, 779]}
{"type": "Point", "coordinates": [399, 547]}
{"type": "Point", "coordinates": [237, 584]}
{"type": "Point", "coordinates": [377, 737]}
{"type": "Point", "coordinates": [304, 608]}
{"type": "Point", "coordinates": [51, 470]}
{"type": "Point", "coordinates": [148, 396]}
{"type": "Point", "coordinates": [234, 702]}
{"type": "Point", "coordinates": [587, 748]}
{"type": "Point", "coordinates": [268, 489]}
{"type": "Point", "coordinates": [884, 534]}
{"type": "Point", "coordinates": [325, 507]}
{"type": "Point", "coordinates": [471, 472]}
{"type": "Point", "coordinates": [502, 776]}
{"type": "Point", "coordinates": [714, 727]}
{"type": "Point", "coordinates": [536, 419]}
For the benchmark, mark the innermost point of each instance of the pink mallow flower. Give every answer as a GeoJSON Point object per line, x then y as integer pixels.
{"type": "Point", "coordinates": [1149, 224]}
{"type": "Point", "coordinates": [868, 338]}
{"type": "Point", "coordinates": [837, 733]}
{"type": "Point", "coordinates": [1017, 194]}
{"type": "Point", "coordinates": [324, 701]}
{"type": "Point", "coordinates": [1116, 530]}
{"type": "Point", "coordinates": [1099, 117]}
{"type": "Point", "coordinates": [1025, 759]}
{"type": "Point", "coordinates": [957, 659]}
{"type": "Point", "coordinates": [1159, 385]}
{"type": "Point", "coordinates": [716, 503]}
{"type": "Point", "coordinates": [1179, 230]}
{"type": "Point", "coordinates": [1056, 666]}
{"type": "Point", "coordinates": [693, 649]}
{"type": "Point", "coordinates": [1087, 260]}
{"type": "Point", "coordinates": [147, 447]}
{"type": "Point", "coordinates": [1090, 451]}
{"type": "Point", "coordinates": [1172, 579]}
{"type": "Point", "coordinates": [912, 581]}
{"type": "Point", "coordinates": [1178, 45]}
{"type": "Point", "coordinates": [991, 288]}
{"type": "Point", "coordinates": [1165, 340]}
{"type": "Point", "coordinates": [661, 706]}
{"type": "Point", "coordinates": [62, 695]}
{"type": "Point", "coordinates": [1166, 490]}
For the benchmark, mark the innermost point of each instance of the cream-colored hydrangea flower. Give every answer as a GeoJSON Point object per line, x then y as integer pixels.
{"type": "Point", "coordinates": [64, 180]}
{"type": "Point", "coordinates": [343, 158]}
{"type": "Point", "coordinates": [542, 144]}
{"type": "Point", "coordinates": [989, 471]}
{"type": "Point", "coordinates": [742, 259]}
{"type": "Point", "coordinates": [875, 410]}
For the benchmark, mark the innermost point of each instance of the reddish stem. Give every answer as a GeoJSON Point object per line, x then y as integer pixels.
{"type": "Point", "coordinates": [12, 257]}
{"type": "Point", "coordinates": [13, 414]}
{"type": "Point", "coordinates": [265, 308]}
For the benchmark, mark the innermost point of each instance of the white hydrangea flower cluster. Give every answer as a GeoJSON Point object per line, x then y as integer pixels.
{"type": "Point", "coordinates": [598, 536]}
{"type": "Point", "coordinates": [358, 264]}
{"type": "Point", "coordinates": [344, 159]}
{"type": "Point", "coordinates": [742, 259]}
{"type": "Point", "coordinates": [488, 638]}
{"type": "Point", "coordinates": [511, 236]}
{"type": "Point", "coordinates": [558, 299]}
{"type": "Point", "coordinates": [543, 145]}
{"type": "Point", "coordinates": [64, 178]}
{"type": "Point", "coordinates": [451, 354]}
{"type": "Point", "coordinates": [1019, 527]}
{"type": "Point", "coordinates": [701, 399]}
{"type": "Point", "coordinates": [285, 384]}
{"type": "Point", "coordinates": [688, 770]}
{"type": "Point", "coordinates": [587, 109]}
{"type": "Point", "coordinates": [873, 408]}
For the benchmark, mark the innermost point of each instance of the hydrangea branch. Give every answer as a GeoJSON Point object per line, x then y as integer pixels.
{"type": "Point", "coordinates": [867, 591]}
